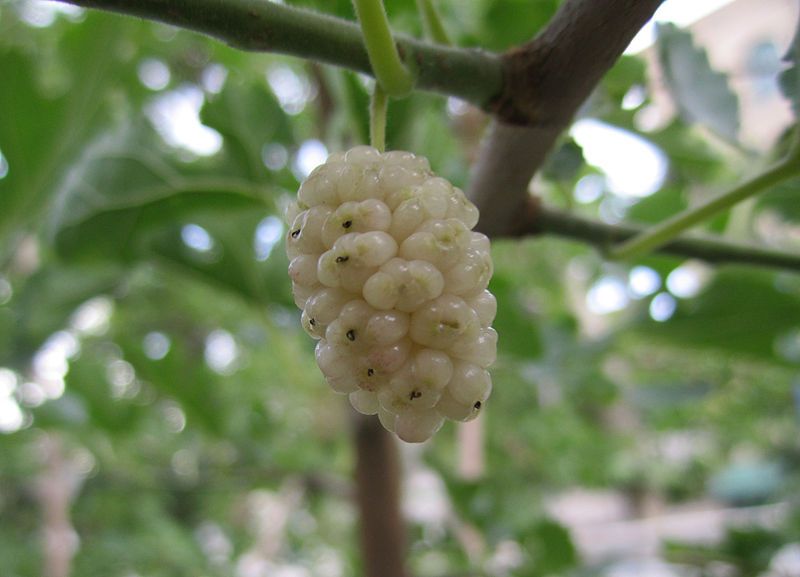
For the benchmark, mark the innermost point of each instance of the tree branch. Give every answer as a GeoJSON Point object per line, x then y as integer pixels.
{"type": "Point", "coordinates": [498, 186]}
{"type": "Point", "coordinates": [545, 220]}
{"type": "Point", "coordinates": [549, 77]}
{"type": "Point", "coordinates": [534, 90]}
{"type": "Point", "coordinates": [547, 81]}
{"type": "Point", "coordinates": [261, 26]}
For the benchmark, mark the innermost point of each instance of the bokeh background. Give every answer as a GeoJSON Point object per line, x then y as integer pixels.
{"type": "Point", "coordinates": [160, 410]}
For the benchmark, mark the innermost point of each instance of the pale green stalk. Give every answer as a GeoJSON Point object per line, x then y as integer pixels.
{"type": "Point", "coordinates": [669, 229]}
{"type": "Point", "coordinates": [392, 75]}
{"type": "Point", "coordinates": [377, 118]}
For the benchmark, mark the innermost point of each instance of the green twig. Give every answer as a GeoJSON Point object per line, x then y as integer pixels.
{"type": "Point", "coordinates": [664, 232]}
{"type": "Point", "coordinates": [434, 29]}
{"type": "Point", "coordinates": [377, 118]}
{"type": "Point", "coordinates": [391, 74]}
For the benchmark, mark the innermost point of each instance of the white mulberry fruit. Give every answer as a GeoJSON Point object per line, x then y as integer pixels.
{"type": "Point", "coordinates": [392, 281]}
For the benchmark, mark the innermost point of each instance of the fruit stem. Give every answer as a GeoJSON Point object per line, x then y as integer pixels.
{"type": "Point", "coordinates": [432, 23]}
{"type": "Point", "coordinates": [389, 70]}
{"type": "Point", "coordinates": [377, 118]}
{"type": "Point", "coordinates": [664, 232]}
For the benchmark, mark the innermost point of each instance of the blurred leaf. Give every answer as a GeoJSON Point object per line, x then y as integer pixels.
{"type": "Point", "coordinates": [747, 550]}
{"type": "Point", "coordinates": [700, 93]}
{"type": "Point", "coordinates": [550, 547]}
{"type": "Point", "coordinates": [518, 332]}
{"type": "Point", "coordinates": [690, 157]}
{"type": "Point", "coordinates": [659, 206]}
{"type": "Point", "coordinates": [182, 375]}
{"type": "Point", "coordinates": [26, 137]}
{"type": "Point", "coordinates": [67, 412]}
{"type": "Point", "coordinates": [513, 22]}
{"type": "Point", "coordinates": [427, 132]}
{"type": "Point", "coordinates": [783, 198]}
{"type": "Point", "coordinates": [47, 300]}
{"type": "Point", "coordinates": [627, 72]}
{"type": "Point", "coordinates": [463, 494]}
{"type": "Point", "coordinates": [564, 164]}
{"type": "Point", "coordinates": [248, 117]}
{"type": "Point", "coordinates": [741, 311]}
{"type": "Point", "coordinates": [52, 106]}
{"type": "Point", "coordinates": [89, 385]}
{"type": "Point", "coordinates": [789, 79]}
{"type": "Point", "coordinates": [232, 264]}
{"type": "Point", "coordinates": [126, 185]}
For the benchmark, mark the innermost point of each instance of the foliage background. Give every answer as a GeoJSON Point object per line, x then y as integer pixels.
{"type": "Point", "coordinates": [157, 387]}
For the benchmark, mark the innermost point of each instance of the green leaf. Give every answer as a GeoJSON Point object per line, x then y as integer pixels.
{"type": "Point", "coordinates": [248, 117]}
{"type": "Point", "coordinates": [564, 163]}
{"type": "Point", "coordinates": [232, 265]}
{"type": "Point", "coordinates": [551, 547]}
{"type": "Point", "coordinates": [789, 79]}
{"type": "Point", "coordinates": [87, 382]}
{"type": "Point", "coordinates": [517, 327]}
{"type": "Point", "coordinates": [656, 207]}
{"type": "Point", "coordinates": [182, 375]}
{"type": "Point", "coordinates": [741, 312]}
{"type": "Point", "coordinates": [690, 156]}
{"type": "Point", "coordinates": [783, 199]}
{"type": "Point", "coordinates": [627, 72]}
{"type": "Point", "coordinates": [127, 184]}
{"type": "Point", "coordinates": [47, 299]}
{"type": "Point", "coordinates": [512, 22]}
{"type": "Point", "coordinates": [58, 97]}
{"type": "Point", "coordinates": [26, 137]}
{"type": "Point", "coordinates": [701, 94]}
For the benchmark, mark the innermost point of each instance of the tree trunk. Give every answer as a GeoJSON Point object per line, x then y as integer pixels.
{"type": "Point", "coordinates": [377, 476]}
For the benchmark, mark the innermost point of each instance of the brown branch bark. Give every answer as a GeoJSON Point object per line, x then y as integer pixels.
{"type": "Point", "coordinates": [383, 532]}
{"type": "Point", "coordinates": [498, 185]}
{"type": "Point", "coordinates": [547, 80]}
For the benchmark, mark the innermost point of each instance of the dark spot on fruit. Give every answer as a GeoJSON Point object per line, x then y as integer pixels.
{"type": "Point", "coordinates": [370, 372]}
{"type": "Point", "coordinates": [295, 233]}
{"type": "Point", "coordinates": [477, 406]}
{"type": "Point", "coordinates": [351, 335]}
{"type": "Point", "coordinates": [342, 258]}
{"type": "Point", "coordinates": [347, 223]}
{"type": "Point", "coordinates": [414, 395]}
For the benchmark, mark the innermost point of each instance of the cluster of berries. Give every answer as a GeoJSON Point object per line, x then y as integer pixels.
{"type": "Point", "coordinates": [392, 282]}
